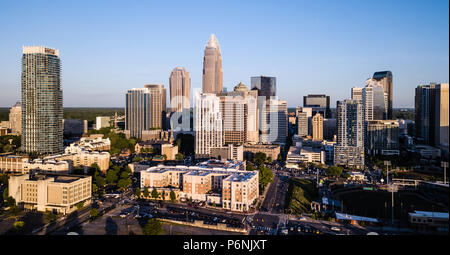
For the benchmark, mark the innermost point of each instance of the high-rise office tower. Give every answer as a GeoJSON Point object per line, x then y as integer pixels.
{"type": "Point", "coordinates": [386, 80]}
{"type": "Point", "coordinates": [319, 104]}
{"type": "Point", "coordinates": [158, 105]}
{"type": "Point", "coordinates": [357, 93]}
{"type": "Point", "coordinates": [15, 118]}
{"type": "Point", "coordinates": [431, 115]}
{"type": "Point", "coordinates": [303, 115]}
{"type": "Point", "coordinates": [317, 127]}
{"type": "Point", "coordinates": [273, 120]}
{"type": "Point", "coordinates": [212, 67]}
{"type": "Point", "coordinates": [138, 111]}
{"type": "Point", "coordinates": [349, 149]}
{"type": "Point", "coordinates": [42, 107]}
{"type": "Point", "coordinates": [239, 110]}
{"type": "Point", "coordinates": [207, 124]}
{"type": "Point", "coordinates": [382, 137]}
{"type": "Point", "coordinates": [374, 100]}
{"type": "Point", "coordinates": [180, 90]}
{"type": "Point", "coordinates": [265, 85]}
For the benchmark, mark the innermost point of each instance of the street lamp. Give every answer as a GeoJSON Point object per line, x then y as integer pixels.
{"type": "Point", "coordinates": [445, 165]}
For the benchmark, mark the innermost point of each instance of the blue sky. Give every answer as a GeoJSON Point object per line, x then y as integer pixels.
{"type": "Point", "coordinates": [107, 47]}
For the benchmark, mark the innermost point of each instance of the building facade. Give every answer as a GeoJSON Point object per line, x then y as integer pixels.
{"type": "Point", "coordinates": [317, 127]}
{"type": "Point", "coordinates": [180, 90]}
{"type": "Point", "coordinates": [382, 137]}
{"type": "Point", "coordinates": [212, 79]}
{"type": "Point", "coordinates": [319, 104]}
{"type": "Point", "coordinates": [385, 78]}
{"type": "Point", "coordinates": [15, 118]}
{"type": "Point", "coordinates": [266, 86]}
{"type": "Point", "coordinates": [42, 106]}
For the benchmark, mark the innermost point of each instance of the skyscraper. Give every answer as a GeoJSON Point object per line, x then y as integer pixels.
{"type": "Point", "coordinates": [42, 106]}
{"type": "Point", "coordinates": [386, 80]}
{"type": "Point", "coordinates": [212, 67]}
{"type": "Point", "coordinates": [349, 149]}
{"type": "Point", "coordinates": [207, 124]}
{"type": "Point", "coordinates": [317, 127]}
{"type": "Point", "coordinates": [138, 113]}
{"type": "Point", "coordinates": [357, 93]}
{"type": "Point", "coordinates": [273, 120]}
{"type": "Point", "coordinates": [158, 105]}
{"type": "Point", "coordinates": [180, 89]}
{"type": "Point", "coordinates": [303, 115]}
{"type": "Point", "coordinates": [374, 100]}
{"type": "Point", "coordinates": [319, 104]}
{"type": "Point", "coordinates": [432, 115]}
{"type": "Point", "coordinates": [265, 85]}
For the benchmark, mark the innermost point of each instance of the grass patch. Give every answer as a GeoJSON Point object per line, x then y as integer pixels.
{"type": "Point", "coordinates": [300, 194]}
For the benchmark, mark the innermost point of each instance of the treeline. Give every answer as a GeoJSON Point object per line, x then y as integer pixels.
{"type": "Point", "coordinates": [90, 114]}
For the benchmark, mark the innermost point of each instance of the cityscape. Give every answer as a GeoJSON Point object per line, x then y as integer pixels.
{"type": "Point", "coordinates": [222, 159]}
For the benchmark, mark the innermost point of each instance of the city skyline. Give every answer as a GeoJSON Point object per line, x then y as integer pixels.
{"type": "Point", "coordinates": [287, 54]}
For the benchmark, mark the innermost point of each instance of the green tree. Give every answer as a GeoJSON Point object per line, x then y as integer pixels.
{"type": "Point", "coordinates": [179, 156]}
{"type": "Point", "coordinates": [137, 159]}
{"type": "Point", "coordinates": [5, 194]}
{"type": "Point", "coordinates": [10, 201]}
{"type": "Point", "coordinates": [260, 157]}
{"type": "Point", "coordinates": [124, 183]}
{"type": "Point", "coordinates": [94, 213]}
{"type": "Point", "coordinates": [100, 181]}
{"type": "Point", "coordinates": [124, 175]}
{"type": "Point", "coordinates": [153, 227]}
{"type": "Point", "coordinates": [334, 171]}
{"type": "Point", "coordinates": [4, 179]}
{"type": "Point", "coordinates": [94, 188]}
{"type": "Point", "coordinates": [138, 192]}
{"type": "Point", "coordinates": [155, 194]}
{"type": "Point", "coordinates": [111, 176]}
{"type": "Point", "coordinates": [50, 217]}
{"type": "Point", "coordinates": [269, 160]}
{"type": "Point", "coordinates": [173, 197]}
{"type": "Point", "coordinates": [19, 226]}
{"type": "Point", "coordinates": [265, 176]}
{"type": "Point", "coordinates": [146, 192]}
{"type": "Point", "coordinates": [164, 156]}
{"type": "Point", "coordinates": [163, 195]}
{"type": "Point", "coordinates": [80, 205]}
{"type": "Point", "coordinates": [250, 167]}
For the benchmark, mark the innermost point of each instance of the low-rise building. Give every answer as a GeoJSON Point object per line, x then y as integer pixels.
{"type": "Point", "coordinates": [91, 143]}
{"type": "Point", "coordinates": [85, 159]}
{"type": "Point", "coordinates": [427, 151]}
{"type": "Point", "coordinates": [229, 152]}
{"type": "Point", "coordinates": [350, 156]}
{"type": "Point", "coordinates": [298, 155]}
{"type": "Point", "coordinates": [233, 189]}
{"type": "Point", "coordinates": [23, 165]}
{"type": "Point", "coordinates": [12, 163]}
{"type": "Point", "coordinates": [426, 219]}
{"type": "Point", "coordinates": [356, 176]}
{"type": "Point", "coordinates": [271, 150]}
{"type": "Point", "coordinates": [55, 193]}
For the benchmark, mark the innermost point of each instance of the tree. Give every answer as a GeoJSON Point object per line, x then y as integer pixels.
{"type": "Point", "coordinates": [138, 192]}
{"type": "Point", "coordinates": [265, 176]}
{"type": "Point", "coordinates": [164, 156]}
{"type": "Point", "coordinates": [94, 213]}
{"type": "Point", "coordinates": [94, 188]}
{"type": "Point", "coordinates": [269, 160]}
{"type": "Point", "coordinates": [179, 156]}
{"type": "Point", "coordinates": [137, 159]}
{"type": "Point", "coordinates": [146, 192]}
{"type": "Point", "coordinates": [4, 179]}
{"type": "Point", "coordinates": [5, 194]}
{"type": "Point", "coordinates": [347, 175]}
{"type": "Point", "coordinates": [124, 175]}
{"type": "Point", "coordinates": [50, 217]}
{"type": "Point", "coordinates": [10, 201]}
{"type": "Point", "coordinates": [260, 157]}
{"type": "Point", "coordinates": [153, 227]}
{"type": "Point", "coordinates": [19, 225]}
{"type": "Point", "coordinates": [163, 195]}
{"type": "Point", "coordinates": [80, 205]}
{"type": "Point", "coordinates": [94, 168]}
{"type": "Point", "coordinates": [173, 197]}
{"type": "Point", "coordinates": [100, 181]}
{"type": "Point", "coordinates": [250, 167]}
{"type": "Point", "coordinates": [155, 194]}
{"type": "Point", "coordinates": [334, 171]}
{"type": "Point", "coordinates": [111, 176]}
{"type": "Point", "coordinates": [124, 183]}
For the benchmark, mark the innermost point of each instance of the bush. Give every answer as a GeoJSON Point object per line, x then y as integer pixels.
{"type": "Point", "coordinates": [153, 227]}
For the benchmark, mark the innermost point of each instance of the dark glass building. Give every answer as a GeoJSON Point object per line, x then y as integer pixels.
{"type": "Point", "coordinates": [386, 80]}
{"type": "Point", "coordinates": [319, 104]}
{"type": "Point", "coordinates": [265, 85]}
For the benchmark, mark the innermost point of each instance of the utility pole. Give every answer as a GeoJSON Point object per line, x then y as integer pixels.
{"type": "Point", "coordinates": [445, 165]}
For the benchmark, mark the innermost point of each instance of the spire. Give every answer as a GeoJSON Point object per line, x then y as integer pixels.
{"type": "Point", "coordinates": [212, 42]}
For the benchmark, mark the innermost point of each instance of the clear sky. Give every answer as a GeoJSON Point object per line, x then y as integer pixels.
{"type": "Point", "coordinates": [327, 47]}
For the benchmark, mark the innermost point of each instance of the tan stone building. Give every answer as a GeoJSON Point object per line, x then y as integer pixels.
{"type": "Point", "coordinates": [180, 90]}
{"type": "Point", "coordinates": [317, 127]}
{"type": "Point", "coordinates": [271, 151]}
{"type": "Point", "coordinates": [85, 159]}
{"type": "Point", "coordinates": [56, 193]}
{"type": "Point", "coordinates": [212, 79]}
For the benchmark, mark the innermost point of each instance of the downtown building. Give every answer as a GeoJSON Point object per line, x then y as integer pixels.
{"type": "Point", "coordinates": [265, 85]}
{"type": "Point", "coordinates": [212, 79]}
{"type": "Point", "coordinates": [432, 116]}
{"type": "Point", "coordinates": [382, 137]}
{"type": "Point", "coordinates": [180, 90]}
{"type": "Point", "coordinates": [349, 149]}
{"type": "Point", "coordinates": [385, 79]}
{"type": "Point", "coordinates": [208, 124]}
{"type": "Point", "coordinates": [303, 116]}
{"type": "Point", "coordinates": [319, 104]}
{"type": "Point", "coordinates": [144, 110]}
{"type": "Point", "coordinates": [273, 118]}
{"type": "Point", "coordinates": [42, 106]}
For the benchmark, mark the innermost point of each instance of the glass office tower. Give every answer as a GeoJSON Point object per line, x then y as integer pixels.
{"type": "Point", "coordinates": [266, 86]}
{"type": "Point", "coordinates": [42, 107]}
